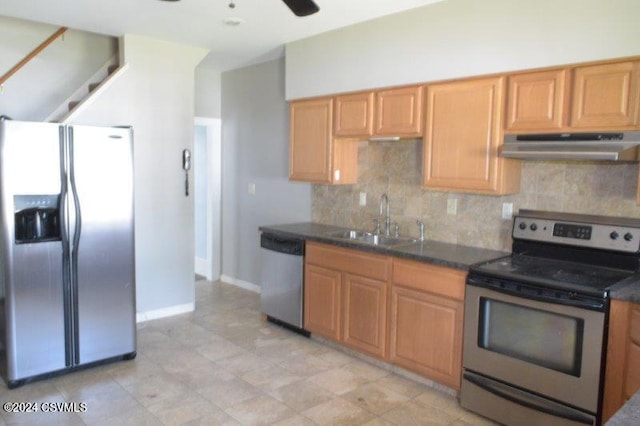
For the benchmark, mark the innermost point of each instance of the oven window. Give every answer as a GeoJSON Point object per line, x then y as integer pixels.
{"type": "Point", "coordinates": [540, 337]}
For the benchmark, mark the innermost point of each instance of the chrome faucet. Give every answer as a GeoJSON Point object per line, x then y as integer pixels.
{"type": "Point", "coordinates": [376, 229]}
{"type": "Point", "coordinates": [387, 216]}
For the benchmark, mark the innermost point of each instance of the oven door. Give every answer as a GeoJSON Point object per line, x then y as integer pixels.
{"type": "Point", "coordinates": [549, 349]}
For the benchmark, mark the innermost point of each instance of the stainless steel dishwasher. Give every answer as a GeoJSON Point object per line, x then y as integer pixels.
{"type": "Point", "coordinates": [281, 280]}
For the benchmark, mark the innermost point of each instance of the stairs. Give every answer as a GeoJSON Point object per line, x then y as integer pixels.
{"type": "Point", "coordinates": [87, 92]}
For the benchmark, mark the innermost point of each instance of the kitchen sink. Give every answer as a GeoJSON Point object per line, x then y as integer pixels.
{"type": "Point", "coordinates": [357, 236]}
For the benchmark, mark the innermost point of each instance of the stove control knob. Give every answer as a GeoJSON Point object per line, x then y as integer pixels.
{"type": "Point", "coordinates": [614, 235]}
{"type": "Point", "coordinates": [522, 226]}
{"type": "Point", "coordinates": [628, 236]}
{"type": "Point", "coordinates": [533, 227]}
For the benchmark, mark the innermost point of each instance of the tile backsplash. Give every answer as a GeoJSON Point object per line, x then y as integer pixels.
{"type": "Point", "coordinates": [395, 168]}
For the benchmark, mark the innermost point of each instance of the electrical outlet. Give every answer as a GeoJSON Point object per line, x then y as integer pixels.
{"type": "Point", "coordinates": [252, 189]}
{"type": "Point", "coordinates": [507, 211]}
{"type": "Point", "coordinates": [452, 206]}
{"type": "Point", "coordinates": [363, 199]}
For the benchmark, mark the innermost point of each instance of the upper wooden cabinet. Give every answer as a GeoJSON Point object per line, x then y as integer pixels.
{"type": "Point", "coordinates": [399, 112]}
{"type": "Point", "coordinates": [462, 134]}
{"type": "Point", "coordinates": [583, 98]}
{"type": "Point", "coordinates": [354, 114]}
{"type": "Point", "coordinates": [314, 155]}
{"type": "Point", "coordinates": [463, 122]}
{"type": "Point", "coordinates": [537, 100]}
{"type": "Point", "coordinates": [310, 137]}
{"type": "Point", "coordinates": [383, 113]}
{"type": "Point", "coordinates": [606, 96]}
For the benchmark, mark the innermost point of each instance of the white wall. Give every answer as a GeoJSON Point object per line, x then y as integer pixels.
{"type": "Point", "coordinates": [255, 149]}
{"type": "Point", "coordinates": [458, 38]}
{"type": "Point", "coordinates": [55, 74]}
{"type": "Point", "coordinates": [200, 190]}
{"type": "Point", "coordinates": [209, 170]}
{"type": "Point", "coordinates": [156, 96]}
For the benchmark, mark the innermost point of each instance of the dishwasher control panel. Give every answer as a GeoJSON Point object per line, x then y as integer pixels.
{"type": "Point", "coordinates": [293, 246]}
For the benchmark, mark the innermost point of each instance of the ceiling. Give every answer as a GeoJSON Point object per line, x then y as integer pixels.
{"type": "Point", "coordinates": [267, 24]}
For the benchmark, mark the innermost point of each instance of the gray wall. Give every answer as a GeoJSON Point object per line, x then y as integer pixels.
{"type": "Point", "coordinates": [255, 149]}
{"type": "Point", "coordinates": [458, 38]}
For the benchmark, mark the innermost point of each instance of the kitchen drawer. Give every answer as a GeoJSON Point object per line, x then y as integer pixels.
{"type": "Point", "coordinates": [634, 331]}
{"type": "Point", "coordinates": [439, 280]}
{"type": "Point", "coordinates": [347, 260]}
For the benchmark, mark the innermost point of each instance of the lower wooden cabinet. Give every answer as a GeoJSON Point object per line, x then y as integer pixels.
{"type": "Point", "coordinates": [345, 297]}
{"type": "Point", "coordinates": [322, 301]}
{"type": "Point", "coordinates": [365, 314]}
{"type": "Point", "coordinates": [427, 304]}
{"type": "Point", "coordinates": [622, 374]}
{"type": "Point", "coordinates": [405, 312]}
{"type": "Point", "coordinates": [426, 334]}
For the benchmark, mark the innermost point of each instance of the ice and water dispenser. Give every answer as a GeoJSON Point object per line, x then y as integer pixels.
{"type": "Point", "coordinates": [37, 218]}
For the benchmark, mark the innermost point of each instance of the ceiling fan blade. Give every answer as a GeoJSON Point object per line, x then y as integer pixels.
{"type": "Point", "coordinates": [302, 7]}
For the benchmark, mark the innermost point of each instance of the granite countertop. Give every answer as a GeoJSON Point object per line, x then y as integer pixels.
{"type": "Point", "coordinates": [438, 253]}
{"type": "Point", "coordinates": [434, 252]}
{"type": "Point", "coordinates": [628, 290]}
{"type": "Point", "coordinates": [629, 414]}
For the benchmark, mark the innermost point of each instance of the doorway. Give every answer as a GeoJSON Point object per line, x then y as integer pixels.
{"type": "Point", "coordinates": [207, 190]}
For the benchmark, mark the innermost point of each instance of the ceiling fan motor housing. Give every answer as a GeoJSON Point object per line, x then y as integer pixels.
{"type": "Point", "coordinates": [302, 7]}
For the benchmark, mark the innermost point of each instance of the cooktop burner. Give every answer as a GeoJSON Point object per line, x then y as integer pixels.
{"type": "Point", "coordinates": [555, 273]}
{"type": "Point", "coordinates": [582, 254]}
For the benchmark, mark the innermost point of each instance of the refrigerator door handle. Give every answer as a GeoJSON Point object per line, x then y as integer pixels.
{"type": "Point", "coordinates": [76, 202]}
{"type": "Point", "coordinates": [74, 247]}
{"type": "Point", "coordinates": [64, 234]}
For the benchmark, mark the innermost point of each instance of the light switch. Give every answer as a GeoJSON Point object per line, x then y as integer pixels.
{"type": "Point", "coordinates": [507, 211]}
{"type": "Point", "coordinates": [452, 206]}
{"type": "Point", "coordinates": [252, 189]}
{"type": "Point", "coordinates": [363, 198]}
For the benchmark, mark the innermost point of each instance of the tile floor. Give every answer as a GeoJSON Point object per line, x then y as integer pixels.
{"type": "Point", "coordinates": [222, 365]}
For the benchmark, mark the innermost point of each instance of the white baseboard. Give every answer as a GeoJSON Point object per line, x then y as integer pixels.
{"type": "Point", "coordinates": [165, 312]}
{"type": "Point", "coordinates": [240, 283]}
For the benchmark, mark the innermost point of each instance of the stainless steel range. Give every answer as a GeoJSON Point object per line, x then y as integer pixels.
{"type": "Point", "coordinates": [535, 321]}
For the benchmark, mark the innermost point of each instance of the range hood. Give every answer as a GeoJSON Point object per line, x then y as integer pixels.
{"type": "Point", "coordinates": [618, 146]}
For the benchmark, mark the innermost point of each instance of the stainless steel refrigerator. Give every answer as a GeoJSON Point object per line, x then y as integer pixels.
{"type": "Point", "coordinates": [66, 248]}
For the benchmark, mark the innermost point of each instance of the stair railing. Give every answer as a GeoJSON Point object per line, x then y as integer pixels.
{"type": "Point", "coordinates": [31, 55]}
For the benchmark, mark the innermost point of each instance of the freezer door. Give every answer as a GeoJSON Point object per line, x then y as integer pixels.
{"type": "Point", "coordinates": [33, 321]}
{"type": "Point", "coordinates": [101, 184]}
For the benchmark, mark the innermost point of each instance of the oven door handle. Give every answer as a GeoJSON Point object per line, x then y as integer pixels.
{"type": "Point", "coordinates": [529, 292]}
{"type": "Point", "coordinates": [527, 399]}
